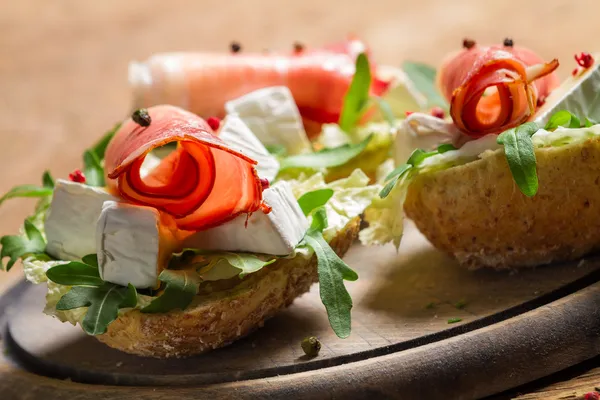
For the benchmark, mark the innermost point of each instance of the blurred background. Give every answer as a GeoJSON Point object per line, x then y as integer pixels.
{"type": "Point", "coordinates": [63, 65]}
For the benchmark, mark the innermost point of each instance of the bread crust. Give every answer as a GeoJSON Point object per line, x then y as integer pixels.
{"type": "Point", "coordinates": [476, 213]}
{"type": "Point", "coordinates": [217, 319]}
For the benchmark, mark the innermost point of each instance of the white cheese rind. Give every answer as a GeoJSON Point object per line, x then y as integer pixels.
{"type": "Point", "coordinates": [272, 115]}
{"type": "Point", "coordinates": [422, 131]}
{"type": "Point", "coordinates": [128, 244]}
{"type": "Point", "coordinates": [70, 224]}
{"type": "Point", "coordinates": [276, 233]}
{"type": "Point", "coordinates": [578, 94]}
{"type": "Point", "coordinates": [239, 137]}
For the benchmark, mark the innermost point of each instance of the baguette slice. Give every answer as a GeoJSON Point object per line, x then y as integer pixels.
{"type": "Point", "coordinates": [221, 317]}
{"type": "Point", "coordinates": [476, 213]}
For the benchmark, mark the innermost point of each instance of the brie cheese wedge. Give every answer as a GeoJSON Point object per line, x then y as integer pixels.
{"type": "Point", "coordinates": [134, 244]}
{"type": "Point", "coordinates": [70, 224]}
{"type": "Point", "coordinates": [277, 232]}
{"type": "Point", "coordinates": [239, 137]}
{"type": "Point", "coordinates": [578, 94]}
{"type": "Point", "coordinates": [272, 115]}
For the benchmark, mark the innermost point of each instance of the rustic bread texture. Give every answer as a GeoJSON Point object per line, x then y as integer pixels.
{"type": "Point", "coordinates": [219, 318]}
{"type": "Point", "coordinates": [476, 213]}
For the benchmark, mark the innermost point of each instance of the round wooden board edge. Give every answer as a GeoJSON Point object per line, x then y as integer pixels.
{"type": "Point", "coordinates": [479, 363]}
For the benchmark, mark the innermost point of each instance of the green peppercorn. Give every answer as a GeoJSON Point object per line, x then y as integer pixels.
{"type": "Point", "coordinates": [141, 117]}
{"type": "Point", "coordinates": [311, 346]}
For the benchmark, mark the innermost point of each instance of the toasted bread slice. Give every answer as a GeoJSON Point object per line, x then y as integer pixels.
{"type": "Point", "coordinates": [476, 213]}
{"type": "Point", "coordinates": [223, 316]}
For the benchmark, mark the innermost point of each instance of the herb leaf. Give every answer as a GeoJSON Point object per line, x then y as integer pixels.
{"type": "Point", "coordinates": [562, 118]}
{"type": "Point", "coordinates": [26, 191]}
{"type": "Point", "coordinates": [99, 149]}
{"type": "Point", "coordinates": [332, 273]}
{"type": "Point", "coordinates": [590, 122]}
{"type": "Point", "coordinates": [415, 159]}
{"type": "Point", "coordinates": [227, 265]}
{"type": "Point", "coordinates": [104, 303]}
{"type": "Point", "coordinates": [423, 78]}
{"type": "Point", "coordinates": [16, 247]}
{"type": "Point", "coordinates": [311, 200]}
{"type": "Point", "coordinates": [357, 97]}
{"type": "Point", "coordinates": [331, 157]}
{"type": "Point", "coordinates": [385, 110]}
{"type": "Point", "coordinates": [276, 150]}
{"type": "Point", "coordinates": [181, 287]}
{"type": "Point", "coordinates": [443, 148]}
{"type": "Point", "coordinates": [520, 155]}
{"type": "Point", "coordinates": [47, 180]}
{"type": "Point", "coordinates": [75, 273]}
{"type": "Point", "coordinates": [92, 168]}
{"type": "Point", "coordinates": [92, 159]}
{"type": "Point", "coordinates": [394, 176]}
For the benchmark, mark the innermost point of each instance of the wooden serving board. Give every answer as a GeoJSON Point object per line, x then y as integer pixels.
{"type": "Point", "coordinates": [515, 327]}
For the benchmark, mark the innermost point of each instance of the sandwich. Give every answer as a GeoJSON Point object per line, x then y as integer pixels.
{"type": "Point", "coordinates": [184, 232]}
{"type": "Point", "coordinates": [510, 180]}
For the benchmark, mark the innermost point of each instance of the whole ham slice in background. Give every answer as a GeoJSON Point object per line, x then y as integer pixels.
{"type": "Point", "coordinates": [491, 89]}
{"type": "Point", "coordinates": [203, 183]}
{"type": "Point", "coordinates": [203, 82]}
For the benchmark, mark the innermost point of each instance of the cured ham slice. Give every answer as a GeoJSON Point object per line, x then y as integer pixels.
{"type": "Point", "coordinates": [491, 89]}
{"type": "Point", "coordinates": [203, 183]}
{"type": "Point", "coordinates": [203, 82]}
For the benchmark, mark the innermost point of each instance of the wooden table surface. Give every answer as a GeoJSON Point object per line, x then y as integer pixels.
{"type": "Point", "coordinates": [63, 65]}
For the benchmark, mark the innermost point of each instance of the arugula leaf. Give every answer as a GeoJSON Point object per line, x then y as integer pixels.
{"type": "Point", "coordinates": [395, 176]}
{"type": "Point", "coordinates": [226, 265]}
{"type": "Point", "coordinates": [91, 260]}
{"type": "Point", "coordinates": [75, 273]}
{"type": "Point", "coordinates": [332, 273]}
{"type": "Point", "coordinates": [562, 118]}
{"type": "Point", "coordinates": [92, 159]}
{"type": "Point", "coordinates": [103, 304]}
{"type": "Point", "coordinates": [590, 122]}
{"type": "Point", "coordinates": [92, 168]}
{"type": "Point", "coordinates": [520, 155]}
{"type": "Point", "coordinates": [47, 180]}
{"type": "Point", "coordinates": [311, 200]}
{"type": "Point", "coordinates": [385, 109]}
{"type": "Point", "coordinates": [181, 287]}
{"type": "Point", "coordinates": [331, 157]}
{"type": "Point", "coordinates": [423, 78]}
{"type": "Point", "coordinates": [99, 149]}
{"type": "Point", "coordinates": [276, 150]}
{"type": "Point", "coordinates": [415, 159]}
{"type": "Point", "coordinates": [26, 191]}
{"type": "Point", "coordinates": [443, 148]}
{"type": "Point", "coordinates": [357, 97]}
{"type": "Point", "coordinates": [16, 247]}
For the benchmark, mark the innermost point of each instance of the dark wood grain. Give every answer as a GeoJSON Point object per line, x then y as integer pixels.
{"type": "Point", "coordinates": [63, 82]}
{"type": "Point", "coordinates": [468, 366]}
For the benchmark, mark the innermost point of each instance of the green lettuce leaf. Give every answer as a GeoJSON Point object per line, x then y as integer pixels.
{"type": "Point", "coordinates": [351, 196]}
{"type": "Point", "coordinates": [226, 265]}
{"type": "Point", "coordinates": [332, 273]}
